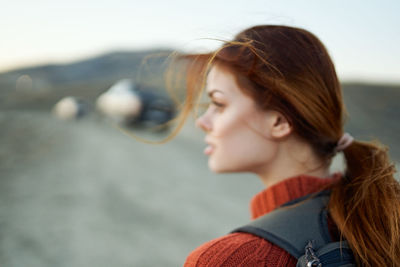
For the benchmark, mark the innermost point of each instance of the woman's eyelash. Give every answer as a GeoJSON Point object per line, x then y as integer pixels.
{"type": "Point", "coordinates": [217, 104]}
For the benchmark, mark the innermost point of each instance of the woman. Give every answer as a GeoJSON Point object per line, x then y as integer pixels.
{"type": "Point", "coordinates": [277, 111]}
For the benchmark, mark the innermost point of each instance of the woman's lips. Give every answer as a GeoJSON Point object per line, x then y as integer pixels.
{"type": "Point", "coordinates": [210, 146]}
{"type": "Point", "coordinates": [209, 149]}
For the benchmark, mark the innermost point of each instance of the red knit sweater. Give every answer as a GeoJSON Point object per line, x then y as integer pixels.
{"type": "Point", "coordinates": [242, 249]}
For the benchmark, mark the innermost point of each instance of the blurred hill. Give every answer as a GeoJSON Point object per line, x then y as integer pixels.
{"type": "Point", "coordinates": [373, 113]}
{"type": "Point", "coordinates": [41, 86]}
{"type": "Point", "coordinates": [373, 108]}
{"type": "Point", "coordinates": [104, 67]}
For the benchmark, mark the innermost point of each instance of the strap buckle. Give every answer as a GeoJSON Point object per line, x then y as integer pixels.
{"type": "Point", "coordinates": [311, 257]}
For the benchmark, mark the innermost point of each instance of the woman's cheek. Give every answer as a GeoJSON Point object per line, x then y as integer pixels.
{"type": "Point", "coordinates": [225, 124]}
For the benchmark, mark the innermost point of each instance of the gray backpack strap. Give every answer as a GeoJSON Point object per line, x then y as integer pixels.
{"type": "Point", "coordinates": [292, 227]}
{"type": "Point", "coordinates": [300, 227]}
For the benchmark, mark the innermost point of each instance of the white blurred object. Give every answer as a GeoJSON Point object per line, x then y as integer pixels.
{"type": "Point", "coordinates": [69, 108]}
{"type": "Point", "coordinates": [120, 102]}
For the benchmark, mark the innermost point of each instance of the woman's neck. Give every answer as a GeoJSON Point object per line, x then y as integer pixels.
{"type": "Point", "coordinates": [294, 157]}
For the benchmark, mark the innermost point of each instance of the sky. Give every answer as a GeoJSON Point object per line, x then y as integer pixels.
{"type": "Point", "coordinates": [363, 37]}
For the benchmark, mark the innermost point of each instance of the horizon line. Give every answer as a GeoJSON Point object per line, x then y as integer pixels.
{"type": "Point", "coordinates": [349, 79]}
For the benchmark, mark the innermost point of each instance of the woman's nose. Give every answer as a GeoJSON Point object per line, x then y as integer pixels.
{"type": "Point", "coordinates": [203, 123]}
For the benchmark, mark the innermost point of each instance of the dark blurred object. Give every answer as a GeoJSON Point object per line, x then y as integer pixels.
{"type": "Point", "coordinates": [156, 108]}
{"type": "Point", "coordinates": [132, 105]}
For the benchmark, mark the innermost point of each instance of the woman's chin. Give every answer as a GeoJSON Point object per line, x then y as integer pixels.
{"type": "Point", "coordinates": [227, 167]}
{"type": "Point", "coordinates": [214, 167]}
{"type": "Point", "coordinates": [218, 168]}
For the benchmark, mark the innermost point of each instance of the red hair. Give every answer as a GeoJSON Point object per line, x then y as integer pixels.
{"type": "Point", "coordinates": [289, 70]}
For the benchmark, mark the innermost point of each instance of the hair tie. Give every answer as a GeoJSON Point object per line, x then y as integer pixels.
{"type": "Point", "coordinates": [344, 142]}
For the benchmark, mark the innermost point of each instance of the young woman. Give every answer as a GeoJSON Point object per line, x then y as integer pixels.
{"type": "Point", "coordinates": [277, 111]}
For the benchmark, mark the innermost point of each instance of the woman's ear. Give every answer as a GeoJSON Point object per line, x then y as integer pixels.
{"type": "Point", "coordinates": [280, 127]}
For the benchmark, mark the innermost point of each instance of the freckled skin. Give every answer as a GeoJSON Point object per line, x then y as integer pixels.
{"type": "Point", "coordinates": [237, 130]}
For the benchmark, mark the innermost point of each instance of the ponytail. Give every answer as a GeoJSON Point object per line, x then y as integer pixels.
{"type": "Point", "coordinates": [365, 205]}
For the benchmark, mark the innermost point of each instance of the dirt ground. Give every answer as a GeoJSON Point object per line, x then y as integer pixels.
{"type": "Point", "coordinates": [82, 193]}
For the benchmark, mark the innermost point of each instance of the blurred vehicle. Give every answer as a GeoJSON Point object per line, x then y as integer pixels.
{"type": "Point", "coordinates": [130, 105]}
{"type": "Point", "coordinates": [120, 102]}
{"type": "Point", "coordinates": [69, 108]}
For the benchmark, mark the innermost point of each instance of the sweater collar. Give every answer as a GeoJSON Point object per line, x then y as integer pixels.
{"type": "Point", "coordinates": [287, 190]}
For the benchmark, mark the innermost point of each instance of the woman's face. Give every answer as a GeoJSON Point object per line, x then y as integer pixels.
{"type": "Point", "coordinates": [237, 132]}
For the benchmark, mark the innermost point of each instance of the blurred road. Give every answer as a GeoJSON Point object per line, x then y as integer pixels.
{"type": "Point", "coordinates": [85, 194]}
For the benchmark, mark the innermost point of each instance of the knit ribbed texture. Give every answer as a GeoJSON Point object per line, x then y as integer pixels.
{"type": "Point", "coordinates": [287, 190]}
{"type": "Point", "coordinates": [242, 249]}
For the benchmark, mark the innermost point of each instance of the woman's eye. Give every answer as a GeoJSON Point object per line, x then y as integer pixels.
{"type": "Point", "coordinates": [217, 105]}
